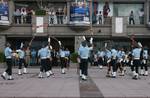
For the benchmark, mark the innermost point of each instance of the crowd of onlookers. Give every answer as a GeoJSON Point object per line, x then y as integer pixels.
{"type": "Point", "coordinates": [59, 15]}
{"type": "Point", "coordinates": [24, 15]}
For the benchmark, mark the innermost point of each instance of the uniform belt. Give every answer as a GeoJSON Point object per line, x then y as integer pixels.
{"type": "Point", "coordinates": [8, 57]}
{"type": "Point", "coordinates": [84, 58]}
{"type": "Point", "coordinates": [136, 58]}
{"type": "Point", "coordinates": [43, 57]}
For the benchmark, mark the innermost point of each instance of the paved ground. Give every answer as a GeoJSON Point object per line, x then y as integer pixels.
{"type": "Point", "coordinates": [70, 86]}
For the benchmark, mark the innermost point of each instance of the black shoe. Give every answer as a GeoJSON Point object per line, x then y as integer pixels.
{"type": "Point", "coordinates": [135, 77]}
{"type": "Point", "coordinates": [10, 79]}
{"type": "Point", "coordinates": [3, 77]}
{"type": "Point", "coordinates": [113, 76]}
{"type": "Point", "coordinates": [107, 75]}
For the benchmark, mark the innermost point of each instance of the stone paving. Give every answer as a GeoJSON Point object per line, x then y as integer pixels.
{"type": "Point", "coordinates": [69, 85]}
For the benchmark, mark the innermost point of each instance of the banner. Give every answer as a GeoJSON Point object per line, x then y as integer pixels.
{"type": "Point", "coordinates": [79, 12]}
{"type": "Point", "coordinates": [119, 25]}
{"type": "Point", "coordinates": [39, 24]}
{"type": "Point", "coordinates": [4, 12]}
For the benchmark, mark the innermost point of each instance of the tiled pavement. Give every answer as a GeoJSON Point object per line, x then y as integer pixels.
{"type": "Point", "coordinates": [70, 86]}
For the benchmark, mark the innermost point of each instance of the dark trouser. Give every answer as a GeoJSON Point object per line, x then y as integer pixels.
{"type": "Point", "coordinates": [113, 63]}
{"type": "Point", "coordinates": [136, 64]}
{"type": "Point", "coordinates": [100, 61]}
{"type": "Point", "coordinates": [9, 66]}
{"type": "Point", "coordinates": [49, 64]}
{"type": "Point", "coordinates": [131, 19]}
{"type": "Point", "coordinates": [43, 65]}
{"type": "Point", "coordinates": [84, 66]}
{"type": "Point", "coordinates": [100, 20]}
{"type": "Point", "coordinates": [63, 62]}
{"type": "Point", "coordinates": [51, 20]}
{"type": "Point", "coordinates": [144, 65]}
{"type": "Point", "coordinates": [119, 65]}
{"type": "Point", "coordinates": [22, 61]}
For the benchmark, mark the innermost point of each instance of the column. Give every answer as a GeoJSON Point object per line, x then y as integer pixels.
{"type": "Point", "coordinates": [68, 11]}
{"type": "Point", "coordinates": [11, 10]}
{"type": "Point", "coordinates": [2, 42]}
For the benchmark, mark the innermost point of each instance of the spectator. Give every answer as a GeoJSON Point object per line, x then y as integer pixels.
{"type": "Point", "coordinates": [33, 57]}
{"type": "Point", "coordinates": [141, 16]}
{"type": "Point", "coordinates": [100, 17]}
{"type": "Point", "coordinates": [23, 15]}
{"type": "Point", "coordinates": [131, 18]}
{"type": "Point", "coordinates": [17, 16]}
{"type": "Point", "coordinates": [51, 14]}
{"type": "Point", "coordinates": [106, 9]}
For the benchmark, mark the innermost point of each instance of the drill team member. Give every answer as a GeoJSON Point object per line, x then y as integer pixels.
{"type": "Point", "coordinates": [8, 56]}
{"type": "Point", "coordinates": [42, 53]}
{"type": "Point", "coordinates": [63, 60]}
{"type": "Point", "coordinates": [144, 62]}
{"type": "Point", "coordinates": [83, 53]}
{"type": "Point", "coordinates": [136, 60]}
{"type": "Point", "coordinates": [113, 61]}
{"type": "Point", "coordinates": [21, 53]}
{"type": "Point", "coordinates": [49, 61]}
{"type": "Point", "coordinates": [120, 60]}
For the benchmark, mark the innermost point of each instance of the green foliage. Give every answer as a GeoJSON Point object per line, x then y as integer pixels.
{"type": "Point", "coordinates": [74, 57]}
{"type": "Point", "coordinates": [2, 57]}
{"type": "Point", "coordinates": [40, 12]}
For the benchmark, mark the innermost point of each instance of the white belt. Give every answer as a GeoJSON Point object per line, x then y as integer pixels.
{"type": "Point", "coordinates": [43, 57]}
{"type": "Point", "coordinates": [8, 57]}
{"type": "Point", "coordinates": [136, 58]}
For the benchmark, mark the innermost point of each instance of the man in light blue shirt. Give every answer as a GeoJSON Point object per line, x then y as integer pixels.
{"type": "Point", "coordinates": [83, 53]}
{"type": "Point", "coordinates": [42, 54]}
{"type": "Point", "coordinates": [120, 59]}
{"type": "Point", "coordinates": [21, 54]}
{"type": "Point", "coordinates": [144, 60]}
{"type": "Point", "coordinates": [136, 61]}
{"type": "Point", "coordinates": [113, 61]}
{"type": "Point", "coordinates": [8, 56]}
{"type": "Point", "coordinates": [63, 60]}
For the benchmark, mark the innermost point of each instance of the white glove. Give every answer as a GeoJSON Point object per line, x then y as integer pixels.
{"type": "Point", "coordinates": [51, 47]}
{"type": "Point", "coordinates": [49, 39]}
{"type": "Point", "coordinates": [84, 38]}
{"type": "Point", "coordinates": [91, 40]}
{"type": "Point", "coordinates": [21, 45]}
{"type": "Point", "coordinates": [59, 43]}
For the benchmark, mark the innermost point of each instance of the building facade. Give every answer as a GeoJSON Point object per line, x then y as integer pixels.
{"type": "Point", "coordinates": [63, 22]}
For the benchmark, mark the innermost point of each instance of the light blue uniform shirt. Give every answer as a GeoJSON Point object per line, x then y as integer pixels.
{"type": "Point", "coordinates": [21, 53]}
{"type": "Point", "coordinates": [8, 52]}
{"type": "Point", "coordinates": [42, 53]}
{"type": "Point", "coordinates": [113, 53]}
{"type": "Point", "coordinates": [108, 54]}
{"type": "Point", "coordinates": [101, 54]}
{"type": "Point", "coordinates": [67, 53]}
{"type": "Point", "coordinates": [62, 53]}
{"type": "Point", "coordinates": [49, 53]}
{"type": "Point", "coordinates": [84, 52]}
{"type": "Point", "coordinates": [145, 54]}
{"type": "Point", "coordinates": [120, 54]}
{"type": "Point", "coordinates": [136, 53]}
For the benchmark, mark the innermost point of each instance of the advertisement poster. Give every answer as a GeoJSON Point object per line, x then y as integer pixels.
{"type": "Point", "coordinates": [79, 12]}
{"type": "Point", "coordinates": [119, 25]}
{"type": "Point", "coordinates": [4, 12]}
{"type": "Point", "coordinates": [39, 25]}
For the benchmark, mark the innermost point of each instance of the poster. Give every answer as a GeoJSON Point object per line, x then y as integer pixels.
{"type": "Point", "coordinates": [119, 25]}
{"type": "Point", "coordinates": [4, 12]}
{"type": "Point", "coordinates": [79, 12]}
{"type": "Point", "coordinates": [39, 24]}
